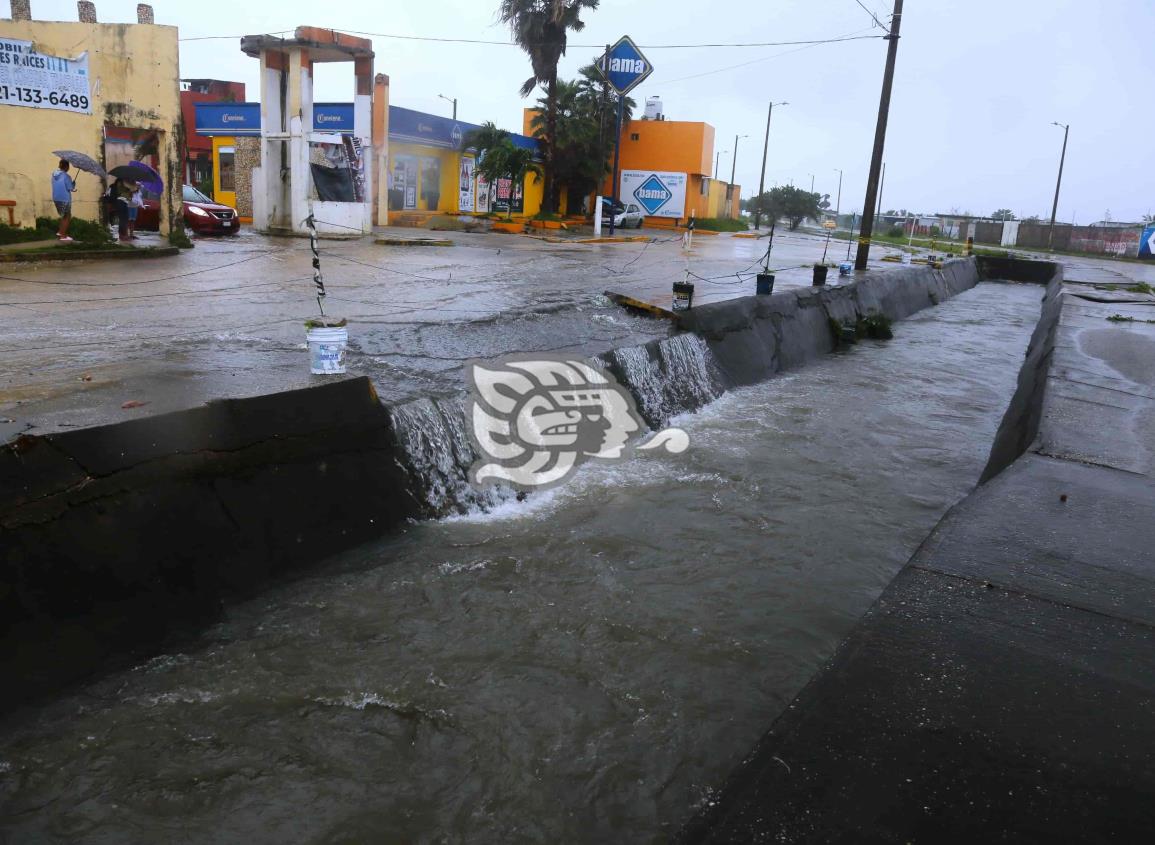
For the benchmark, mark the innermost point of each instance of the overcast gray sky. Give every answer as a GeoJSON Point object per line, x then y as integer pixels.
{"type": "Point", "coordinates": [978, 84]}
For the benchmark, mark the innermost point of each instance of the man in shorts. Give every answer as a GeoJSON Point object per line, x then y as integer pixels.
{"type": "Point", "coordinates": [63, 187]}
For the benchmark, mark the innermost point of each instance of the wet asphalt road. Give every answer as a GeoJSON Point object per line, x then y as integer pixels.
{"type": "Point", "coordinates": [225, 319]}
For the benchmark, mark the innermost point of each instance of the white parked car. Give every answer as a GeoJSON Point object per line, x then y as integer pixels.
{"type": "Point", "coordinates": [625, 217]}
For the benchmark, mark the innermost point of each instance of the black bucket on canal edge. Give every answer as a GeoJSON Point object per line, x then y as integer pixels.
{"type": "Point", "coordinates": [683, 296]}
{"type": "Point", "coordinates": [820, 271]}
{"type": "Point", "coordinates": [765, 284]}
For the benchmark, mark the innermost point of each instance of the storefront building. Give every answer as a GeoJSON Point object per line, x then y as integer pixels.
{"type": "Point", "coordinates": [666, 168]}
{"type": "Point", "coordinates": [199, 168]}
{"type": "Point", "coordinates": [110, 91]}
{"type": "Point", "coordinates": [428, 172]}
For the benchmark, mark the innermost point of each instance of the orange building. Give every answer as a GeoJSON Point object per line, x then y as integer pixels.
{"type": "Point", "coordinates": [668, 157]}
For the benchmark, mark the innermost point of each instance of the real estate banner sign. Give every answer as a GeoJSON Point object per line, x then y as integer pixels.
{"type": "Point", "coordinates": [657, 193]}
{"type": "Point", "coordinates": [39, 81]}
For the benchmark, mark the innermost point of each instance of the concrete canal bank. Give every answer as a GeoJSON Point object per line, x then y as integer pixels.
{"type": "Point", "coordinates": [1002, 688]}
{"type": "Point", "coordinates": [116, 537]}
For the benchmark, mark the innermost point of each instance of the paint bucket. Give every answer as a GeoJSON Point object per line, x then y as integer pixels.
{"type": "Point", "coordinates": [327, 350]}
{"type": "Point", "coordinates": [844, 268]}
{"type": "Point", "coordinates": [820, 271]}
{"type": "Point", "coordinates": [765, 284]}
{"type": "Point", "coordinates": [683, 296]}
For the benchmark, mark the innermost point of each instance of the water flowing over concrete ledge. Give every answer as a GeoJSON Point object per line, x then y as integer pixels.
{"type": "Point", "coordinates": [115, 537]}
{"type": "Point", "coordinates": [1002, 687]}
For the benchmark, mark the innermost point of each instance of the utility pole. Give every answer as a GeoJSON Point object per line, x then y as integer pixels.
{"type": "Point", "coordinates": [733, 168]}
{"type": "Point", "coordinates": [866, 229]}
{"type": "Point", "coordinates": [762, 179]}
{"type": "Point", "coordinates": [1055, 207]}
{"type": "Point", "coordinates": [811, 175]}
{"type": "Point", "coordinates": [881, 185]}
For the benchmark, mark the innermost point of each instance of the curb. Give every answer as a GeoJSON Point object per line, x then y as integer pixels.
{"type": "Point", "coordinates": [88, 255]}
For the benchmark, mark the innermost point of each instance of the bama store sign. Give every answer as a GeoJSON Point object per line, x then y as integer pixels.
{"type": "Point", "coordinates": [657, 193]}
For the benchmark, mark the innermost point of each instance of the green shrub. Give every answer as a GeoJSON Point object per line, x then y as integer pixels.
{"type": "Point", "coordinates": [875, 327]}
{"type": "Point", "coordinates": [179, 238]}
{"type": "Point", "coordinates": [17, 235]}
{"type": "Point", "coordinates": [721, 224]}
{"type": "Point", "coordinates": [895, 232]}
{"type": "Point", "coordinates": [85, 231]}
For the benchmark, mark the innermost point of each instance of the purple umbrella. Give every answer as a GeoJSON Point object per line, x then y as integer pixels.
{"type": "Point", "coordinates": [149, 179]}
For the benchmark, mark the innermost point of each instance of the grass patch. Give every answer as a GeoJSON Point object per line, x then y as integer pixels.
{"type": "Point", "coordinates": [1142, 287]}
{"type": "Point", "coordinates": [875, 327]}
{"type": "Point", "coordinates": [721, 224]}
{"type": "Point", "coordinates": [179, 238]}
{"type": "Point", "coordinates": [93, 235]}
{"type": "Point", "coordinates": [1119, 318]}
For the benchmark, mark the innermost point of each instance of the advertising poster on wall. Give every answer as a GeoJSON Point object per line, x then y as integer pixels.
{"type": "Point", "coordinates": [39, 81]}
{"type": "Point", "coordinates": [465, 185]}
{"type": "Point", "coordinates": [483, 192]}
{"type": "Point", "coordinates": [503, 201]}
{"type": "Point", "coordinates": [658, 193]}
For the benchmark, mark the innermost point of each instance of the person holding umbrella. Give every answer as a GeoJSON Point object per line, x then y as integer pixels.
{"type": "Point", "coordinates": [63, 187]}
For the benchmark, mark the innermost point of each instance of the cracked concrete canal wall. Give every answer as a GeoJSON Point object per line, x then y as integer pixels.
{"type": "Point", "coordinates": [757, 336]}
{"type": "Point", "coordinates": [116, 537]}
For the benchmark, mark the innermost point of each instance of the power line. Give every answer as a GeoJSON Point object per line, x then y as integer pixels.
{"type": "Point", "coordinates": [848, 37]}
{"type": "Point", "coordinates": [442, 40]}
{"type": "Point", "coordinates": [872, 15]}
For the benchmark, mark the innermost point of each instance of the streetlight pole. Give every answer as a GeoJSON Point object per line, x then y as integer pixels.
{"type": "Point", "coordinates": [762, 178]}
{"type": "Point", "coordinates": [450, 100]}
{"type": "Point", "coordinates": [866, 227]}
{"type": "Point", "coordinates": [733, 168]}
{"type": "Point", "coordinates": [1055, 207]}
{"type": "Point", "coordinates": [811, 175]}
{"type": "Point", "coordinates": [838, 202]}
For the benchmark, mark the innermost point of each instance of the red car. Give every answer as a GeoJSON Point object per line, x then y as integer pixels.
{"type": "Point", "coordinates": [201, 215]}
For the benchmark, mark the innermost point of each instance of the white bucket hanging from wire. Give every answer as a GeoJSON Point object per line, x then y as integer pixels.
{"type": "Point", "coordinates": [327, 337]}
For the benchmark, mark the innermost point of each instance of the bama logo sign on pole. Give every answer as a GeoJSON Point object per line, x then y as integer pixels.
{"type": "Point", "coordinates": [1147, 243]}
{"type": "Point", "coordinates": [658, 193]}
{"type": "Point", "coordinates": [624, 66]}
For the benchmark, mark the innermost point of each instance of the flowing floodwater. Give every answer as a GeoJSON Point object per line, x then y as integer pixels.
{"type": "Point", "coordinates": [585, 666]}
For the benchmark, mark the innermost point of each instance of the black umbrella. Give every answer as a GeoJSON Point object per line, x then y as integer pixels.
{"type": "Point", "coordinates": [128, 173]}
{"type": "Point", "coordinates": [81, 161]}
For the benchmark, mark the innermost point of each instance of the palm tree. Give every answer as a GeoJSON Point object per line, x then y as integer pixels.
{"type": "Point", "coordinates": [540, 28]}
{"type": "Point", "coordinates": [583, 132]}
{"type": "Point", "coordinates": [503, 160]}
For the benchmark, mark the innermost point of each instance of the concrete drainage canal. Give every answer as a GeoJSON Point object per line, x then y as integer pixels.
{"type": "Point", "coordinates": [585, 664]}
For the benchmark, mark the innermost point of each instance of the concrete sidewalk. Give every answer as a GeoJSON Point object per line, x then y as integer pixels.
{"type": "Point", "coordinates": [1003, 687]}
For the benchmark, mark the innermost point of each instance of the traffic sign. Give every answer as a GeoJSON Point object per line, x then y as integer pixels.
{"type": "Point", "coordinates": [624, 66]}
{"type": "Point", "coordinates": [1147, 243]}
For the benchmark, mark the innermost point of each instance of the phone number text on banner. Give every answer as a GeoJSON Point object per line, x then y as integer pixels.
{"type": "Point", "coordinates": [39, 81]}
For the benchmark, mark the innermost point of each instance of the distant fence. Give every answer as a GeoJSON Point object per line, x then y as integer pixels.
{"type": "Point", "coordinates": [1095, 240]}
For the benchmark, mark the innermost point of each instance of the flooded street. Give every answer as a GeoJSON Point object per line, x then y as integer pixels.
{"type": "Point", "coordinates": [586, 666]}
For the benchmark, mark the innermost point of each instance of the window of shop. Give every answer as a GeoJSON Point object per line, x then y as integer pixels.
{"type": "Point", "coordinates": [227, 159]}
{"type": "Point", "coordinates": [403, 183]}
{"type": "Point", "coordinates": [431, 183]}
